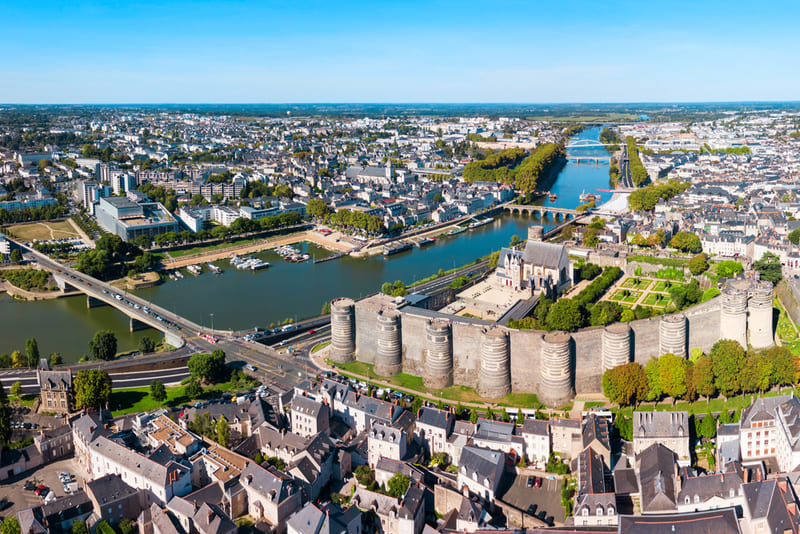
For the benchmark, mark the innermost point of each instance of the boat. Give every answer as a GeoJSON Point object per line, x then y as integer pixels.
{"type": "Point", "coordinates": [194, 269]}
{"type": "Point", "coordinates": [255, 264]}
{"type": "Point", "coordinates": [589, 197]}
{"type": "Point", "coordinates": [457, 230]}
{"type": "Point", "coordinates": [214, 269]}
{"type": "Point", "coordinates": [476, 224]}
{"type": "Point", "coordinates": [425, 241]}
{"type": "Point", "coordinates": [553, 197]}
{"type": "Point", "coordinates": [400, 247]}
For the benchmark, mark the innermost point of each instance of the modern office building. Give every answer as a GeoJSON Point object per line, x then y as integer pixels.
{"type": "Point", "coordinates": [129, 220]}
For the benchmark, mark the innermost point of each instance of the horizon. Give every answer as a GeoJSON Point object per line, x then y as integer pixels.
{"type": "Point", "coordinates": [245, 52]}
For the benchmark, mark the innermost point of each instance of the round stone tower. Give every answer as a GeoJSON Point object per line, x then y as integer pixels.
{"type": "Point", "coordinates": [733, 319]}
{"type": "Point", "coordinates": [556, 387]}
{"type": "Point", "coordinates": [343, 331]}
{"type": "Point", "coordinates": [535, 233]}
{"type": "Point", "coordinates": [439, 360]}
{"type": "Point", "coordinates": [389, 359]}
{"type": "Point", "coordinates": [494, 374]}
{"type": "Point", "coordinates": [672, 335]}
{"type": "Point", "coordinates": [616, 345]}
{"type": "Point", "coordinates": [759, 321]}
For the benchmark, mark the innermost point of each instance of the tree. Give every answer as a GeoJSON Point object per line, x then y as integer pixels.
{"type": "Point", "coordinates": [16, 389]}
{"type": "Point", "coordinates": [18, 359]}
{"type": "Point", "coordinates": [605, 312]}
{"type": "Point", "coordinates": [651, 371]}
{"type": "Point", "coordinates": [473, 416]}
{"type": "Point", "coordinates": [32, 351]}
{"type": "Point", "coordinates": [769, 267]}
{"type": "Point", "coordinates": [728, 359]}
{"type": "Point", "coordinates": [317, 208]}
{"type": "Point", "coordinates": [567, 315]}
{"type": "Point", "coordinates": [92, 388]}
{"type": "Point", "coordinates": [397, 486]}
{"type": "Point", "coordinates": [16, 255]}
{"type": "Point", "coordinates": [627, 315]}
{"type": "Point", "coordinates": [56, 359]}
{"type": "Point", "coordinates": [625, 384]}
{"type": "Point", "coordinates": [209, 367]}
{"type": "Point", "coordinates": [794, 236]}
{"type": "Point", "coordinates": [386, 288]}
{"type": "Point", "coordinates": [10, 526]}
{"type": "Point", "coordinates": [590, 238]}
{"type": "Point", "coordinates": [126, 526]}
{"type": "Point", "coordinates": [223, 432]}
{"type": "Point", "coordinates": [146, 345]}
{"type": "Point", "coordinates": [686, 242]}
{"type": "Point", "coordinates": [672, 375]}
{"type": "Point", "coordinates": [79, 527]}
{"type": "Point", "coordinates": [157, 391]}
{"type": "Point", "coordinates": [698, 264]}
{"type": "Point", "coordinates": [193, 389]}
{"type": "Point", "coordinates": [729, 268]}
{"type": "Point", "coordinates": [5, 417]}
{"type": "Point", "coordinates": [785, 365]}
{"type": "Point", "coordinates": [703, 376]}
{"type": "Point", "coordinates": [707, 427]}
{"type": "Point", "coordinates": [103, 345]}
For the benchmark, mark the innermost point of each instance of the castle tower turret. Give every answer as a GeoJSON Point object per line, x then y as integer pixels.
{"type": "Point", "coordinates": [439, 359]}
{"type": "Point", "coordinates": [389, 357]}
{"type": "Point", "coordinates": [343, 331]}
{"type": "Point", "coordinates": [616, 345]}
{"type": "Point", "coordinates": [733, 319]}
{"type": "Point", "coordinates": [759, 321]}
{"type": "Point", "coordinates": [556, 387]}
{"type": "Point", "coordinates": [494, 375]}
{"type": "Point", "coordinates": [672, 335]}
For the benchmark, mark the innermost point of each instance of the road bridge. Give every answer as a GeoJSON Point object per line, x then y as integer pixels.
{"type": "Point", "coordinates": [588, 143]}
{"type": "Point", "coordinates": [595, 159]}
{"type": "Point", "coordinates": [558, 214]}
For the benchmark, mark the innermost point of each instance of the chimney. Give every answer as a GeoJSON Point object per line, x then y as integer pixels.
{"type": "Point", "coordinates": [194, 503]}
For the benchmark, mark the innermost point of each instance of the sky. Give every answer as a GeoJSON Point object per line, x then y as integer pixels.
{"type": "Point", "coordinates": [507, 51]}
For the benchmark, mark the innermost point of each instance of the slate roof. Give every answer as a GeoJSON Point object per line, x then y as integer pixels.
{"type": "Point", "coordinates": [482, 462]}
{"type": "Point", "coordinates": [652, 425]}
{"type": "Point", "coordinates": [711, 522]}
{"type": "Point", "coordinates": [762, 409]}
{"type": "Point", "coordinates": [267, 482]}
{"type": "Point", "coordinates": [435, 417]}
{"type": "Point", "coordinates": [54, 380]}
{"type": "Point", "coordinates": [109, 489]}
{"type": "Point", "coordinates": [657, 479]}
{"type": "Point", "coordinates": [591, 473]}
{"type": "Point", "coordinates": [535, 427]}
{"type": "Point", "coordinates": [211, 519]}
{"type": "Point", "coordinates": [709, 486]}
{"type": "Point", "coordinates": [549, 255]}
{"type": "Point", "coordinates": [306, 406]}
{"type": "Point", "coordinates": [596, 428]}
{"type": "Point", "coordinates": [772, 500]}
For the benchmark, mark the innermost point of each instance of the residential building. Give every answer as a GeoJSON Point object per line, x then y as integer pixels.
{"type": "Point", "coordinates": [56, 390]}
{"type": "Point", "coordinates": [670, 429]}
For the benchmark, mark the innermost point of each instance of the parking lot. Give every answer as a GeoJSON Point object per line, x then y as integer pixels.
{"type": "Point", "coordinates": [20, 498]}
{"type": "Point", "coordinates": [547, 498]}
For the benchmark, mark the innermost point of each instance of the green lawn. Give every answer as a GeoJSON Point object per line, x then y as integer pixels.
{"type": "Point", "coordinates": [702, 406]}
{"type": "Point", "coordinates": [320, 346]}
{"type": "Point", "coordinates": [135, 400]}
{"type": "Point", "coordinates": [636, 283]}
{"type": "Point", "coordinates": [414, 385]}
{"type": "Point", "coordinates": [632, 296]}
{"type": "Point", "coordinates": [654, 299]}
{"type": "Point", "coordinates": [665, 285]}
{"type": "Point", "coordinates": [786, 329]}
{"type": "Point", "coordinates": [207, 248]}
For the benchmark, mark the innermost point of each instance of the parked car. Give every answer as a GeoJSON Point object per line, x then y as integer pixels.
{"type": "Point", "coordinates": [538, 482]}
{"type": "Point", "coordinates": [530, 482]}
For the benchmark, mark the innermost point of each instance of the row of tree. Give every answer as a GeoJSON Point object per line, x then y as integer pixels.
{"type": "Point", "coordinates": [539, 164]}
{"type": "Point", "coordinates": [358, 220]}
{"type": "Point", "coordinates": [727, 370]}
{"type": "Point", "coordinates": [646, 198]}
{"type": "Point", "coordinates": [495, 167]}
{"type": "Point", "coordinates": [638, 172]}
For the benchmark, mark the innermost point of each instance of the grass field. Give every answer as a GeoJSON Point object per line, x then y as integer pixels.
{"type": "Point", "coordinates": [664, 285]}
{"type": "Point", "coordinates": [654, 299]}
{"type": "Point", "coordinates": [209, 248]}
{"type": "Point", "coordinates": [632, 296]}
{"type": "Point", "coordinates": [785, 328]}
{"type": "Point", "coordinates": [636, 283]}
{"type": "Point", "coordinates": [414, 384]}
{"type": "Point", "coordinates": [43, 231]}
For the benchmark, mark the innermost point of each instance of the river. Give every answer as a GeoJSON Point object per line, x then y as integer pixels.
{"type": "Point", "coordinates": [241, 300]}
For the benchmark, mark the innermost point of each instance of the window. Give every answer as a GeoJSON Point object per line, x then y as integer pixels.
{"type": "Point", "coordinates": [696, 499]}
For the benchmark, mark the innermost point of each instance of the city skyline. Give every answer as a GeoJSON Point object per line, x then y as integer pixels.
{"type": "Point", "coordinates": [442, 52]}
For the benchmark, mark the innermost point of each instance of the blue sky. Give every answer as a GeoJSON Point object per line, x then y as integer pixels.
{"type": "Point", "coordinates": [427, 51]}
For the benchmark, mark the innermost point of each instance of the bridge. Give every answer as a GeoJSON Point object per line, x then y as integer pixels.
{"type": "Point", "coordinates": [588, 143]}
{"type": "Point", "coordinates": [142, 313]}
{"type": "Point", "coordinates": [558, 214]}
{"type": "Point", "coordinates": [595, 159]}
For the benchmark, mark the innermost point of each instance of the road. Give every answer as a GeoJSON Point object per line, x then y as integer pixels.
{"type": "Point", "coordinates": [625, 169]}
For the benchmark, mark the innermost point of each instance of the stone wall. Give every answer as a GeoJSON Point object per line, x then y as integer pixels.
{"type": "Point", "coordinates": [586, 358]}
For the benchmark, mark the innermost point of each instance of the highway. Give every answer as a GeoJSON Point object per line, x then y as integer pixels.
{"type": "Point", "coordinates": [625, 170]}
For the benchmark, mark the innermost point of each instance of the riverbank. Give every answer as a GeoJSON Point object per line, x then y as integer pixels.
{"type": "Point", "coordinates": [16, 292]}
{"type": "Point", "coordinates": [331, 243]}
{"type": "Point", "coordinates": [432, 232]}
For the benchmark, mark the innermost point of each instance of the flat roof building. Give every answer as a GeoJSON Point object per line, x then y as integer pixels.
{"type": "Point", "coordinates": [129, 220]}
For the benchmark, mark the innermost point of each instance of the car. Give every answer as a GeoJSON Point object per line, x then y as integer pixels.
{"type": "Point", "coordinates": [40, 489]}
{"type": "Point", "coordinates": [311, 331]}
{"type": "Point", "coordinates": [538, 482]}
{"type": "Point", "coordinates": [529, 483]}
{"type": "Point", "coordinates": [549, 520]}
{"type": "Point", "coordinates": [249, 367]}
{"type": "Point", "coordinates": [29, 486]}
{"type": "Point", "coordinates": [531, 509]}
{"type": "Point", "coordinates": [541, 514]}
{"type": "Point", "coordinates": [105, 291]}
